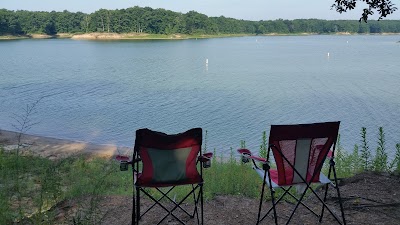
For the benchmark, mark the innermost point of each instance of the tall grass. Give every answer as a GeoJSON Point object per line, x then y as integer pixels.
{"type": "Point", "coordinates": [350, 163]}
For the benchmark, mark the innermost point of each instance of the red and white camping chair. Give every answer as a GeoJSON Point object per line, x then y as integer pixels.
{"type": "Point", "coordinates": [299, 152]}
{"type": "Point", "coordinates": [161, 160]}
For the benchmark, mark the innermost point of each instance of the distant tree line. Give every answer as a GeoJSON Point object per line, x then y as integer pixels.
{"type": "Point", "coordinates": [161, 21]}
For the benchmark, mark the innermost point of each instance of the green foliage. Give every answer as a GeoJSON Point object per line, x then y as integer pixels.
{"type": "Point", "coordinates": [380, 161]}
{"type": "Point", "coordinates": [242, 144]}
{"type": "Point", "coordinates": [231, 178]}
{"type": "Point", "coordinates": [365, 152]}
{"type": "Point", "coordinates": [31, 185]}
{"type": "Point", "coordinates": [344, 163]}
{"type": "Point", "coordinates": [263, 146]}
{"type": "Point", "coordinates": [383, 7]}
{"type": "Point", "coordinates": [356, 159]}
{"type": "Point", "coordinates": [205, 142]}
{"type": "Point", "coordinates": [395, 165]}
{"type": "Point", "coordinates": [160, 21]}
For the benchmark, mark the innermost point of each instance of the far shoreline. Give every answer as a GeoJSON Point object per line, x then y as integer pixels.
{"type": "Point", "coordinates": [146, 36]}
{"type": "Point", "coordinates": [117, 36]}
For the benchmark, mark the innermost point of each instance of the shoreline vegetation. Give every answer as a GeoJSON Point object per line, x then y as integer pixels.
{"type": "Point", "coordinates": [148, 23]}
{"type": "Point", "coordinates": [146, 36]}
{"type": "Point", "coordinates": [58, 188]}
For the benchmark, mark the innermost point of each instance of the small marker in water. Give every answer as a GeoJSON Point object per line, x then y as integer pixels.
{"type": "Point", "coordinates": [206, 61]}
{"type": "Point", "coordinates": [328, 54]}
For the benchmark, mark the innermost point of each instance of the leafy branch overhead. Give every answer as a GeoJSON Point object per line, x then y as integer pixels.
{"type": "Point", "coordinates": [383, 7]}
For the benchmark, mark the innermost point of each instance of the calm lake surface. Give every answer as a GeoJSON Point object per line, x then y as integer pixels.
{"type": "Point", "coordinates": [102, 91]}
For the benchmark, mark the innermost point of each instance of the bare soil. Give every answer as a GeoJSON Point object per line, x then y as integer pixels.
{"type": "Point", "coordinates": [368, 198]}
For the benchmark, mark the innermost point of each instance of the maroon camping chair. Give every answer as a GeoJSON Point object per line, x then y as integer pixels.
{"type": "Point", "coordinates": [161, 160]}
{"type": "Point", "coordinates": [299, 152]}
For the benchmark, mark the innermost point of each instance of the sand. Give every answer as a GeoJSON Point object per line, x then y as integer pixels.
{"type": "Point", "coordinates": [54, 148]}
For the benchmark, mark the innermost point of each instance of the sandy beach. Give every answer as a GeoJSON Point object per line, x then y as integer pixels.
{"type": "Point", "coordinates": [54, 148]}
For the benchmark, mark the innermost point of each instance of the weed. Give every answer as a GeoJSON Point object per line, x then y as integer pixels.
{"type": "Point", "coordinates": [395, 164]}
{"type": "Point", "coordinates": [263, 146]}
{"type": "Point", "coordinates": [365, 152]}
{"type": "Point", "coordinates": [380, 161]}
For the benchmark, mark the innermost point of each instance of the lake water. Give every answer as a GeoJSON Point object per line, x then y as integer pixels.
{"type": "Point", "coordinates": [102, 91]}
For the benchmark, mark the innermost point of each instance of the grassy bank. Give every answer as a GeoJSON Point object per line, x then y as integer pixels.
{"type": "Point", "coordinates": [31, 186]}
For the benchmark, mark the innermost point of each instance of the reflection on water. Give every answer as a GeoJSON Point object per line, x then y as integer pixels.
{"type": "Point", "coordinates": [233, 87]}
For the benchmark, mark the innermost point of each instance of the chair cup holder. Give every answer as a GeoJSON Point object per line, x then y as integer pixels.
{"type": "Point", "coordinates": [123, 166]}
{"type": "Point", "coordinates": [244, 159]}
{"type": "Point", "coordinates": [207, 164]}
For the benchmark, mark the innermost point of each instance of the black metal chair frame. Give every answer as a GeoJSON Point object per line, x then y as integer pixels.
{"type": "Point", "coordinates": [137, 215]}
{"type": "Point", "coordinates": [246, 156]}
{"type": "Point", "coordinates": [266, 168]}
{"type": "Point", "coordinates": [203, 161]}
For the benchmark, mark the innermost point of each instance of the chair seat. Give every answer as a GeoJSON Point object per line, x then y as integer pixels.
{"type": "Point", "coordinates": [274, 178]}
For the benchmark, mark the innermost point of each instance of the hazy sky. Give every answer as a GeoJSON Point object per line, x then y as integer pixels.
{"type": "Point", "coordinates": [239, 9]}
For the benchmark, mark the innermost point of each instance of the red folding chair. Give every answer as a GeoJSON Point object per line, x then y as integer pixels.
{"type": "Point", "coordinates": [162, 160]}
{"type": "Point", "coordinates": [299, 152]}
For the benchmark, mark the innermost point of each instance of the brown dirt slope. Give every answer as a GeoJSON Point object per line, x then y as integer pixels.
{"type": "Point", "coordinates": [368, 199]}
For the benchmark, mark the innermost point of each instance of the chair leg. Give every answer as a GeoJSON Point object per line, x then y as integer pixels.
{"type": "Point", "coordinates": [326, 192]}
{"type": "Point", "coordinates": [201, 204]}
{"type": "Point", "coordinates": [277, 201]}
{"type": "Point", "coordinates": [323, 205]}
{"type": "Point", "coordinates": [338, 193]}
{"type": "Point", "coordinates": [298, 203]}
{"type": "Point", "coordinates": [273, 204]}
{"type": "Point", "coordinates": [261, 201]}
{"type": "Point", "coordinates": [133, 207]}
{"type": "Point", "coordinates": [137, 205]}
{"type": "Point", "coordinates": [332, 168]}
{"type": "Point", "coordinates": [196, 201]}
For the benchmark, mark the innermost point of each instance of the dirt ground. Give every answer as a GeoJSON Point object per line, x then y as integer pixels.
{"type": "Point", "coordinates": [368, 198]}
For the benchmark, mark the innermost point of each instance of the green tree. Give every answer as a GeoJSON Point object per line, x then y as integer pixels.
{"type": "Point", "coordinates": [383, 7]}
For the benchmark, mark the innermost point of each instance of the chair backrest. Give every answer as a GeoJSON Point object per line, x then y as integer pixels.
{"type": "Point", "coordinates": [305, 147]}
{"type": "Point", "coordinates": [168, 160]}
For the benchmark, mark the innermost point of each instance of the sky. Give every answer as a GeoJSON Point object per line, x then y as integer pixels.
{"type": "Point", "coordinates": [240, 9]}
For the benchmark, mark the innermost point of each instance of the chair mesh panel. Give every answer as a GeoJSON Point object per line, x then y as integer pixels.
{"type": "Point", "coordinates": [168, 160]}
{"type": "Point", "coordinates": [315, 152]}
{"type": "Point", "coordinates": [288, 149]}
{"type": "Point", "coordinates": [287, 139]}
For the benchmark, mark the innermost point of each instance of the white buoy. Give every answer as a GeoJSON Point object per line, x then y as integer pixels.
{"type": "Point", "coordinates": [206, 61]}
{"type": "Point", "coordinates": [347, 42]}
{"type": "Point", "coordinates": [328, 54]}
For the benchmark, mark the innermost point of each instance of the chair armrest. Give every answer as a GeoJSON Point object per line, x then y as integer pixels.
{"type": "Point", "coordinates": [245, 152]}
{"type": "Point", "coordinates": [246, 155]}
{"type": "Point", "coordinates": [124, 162]}
{"type": "Point", "coordinates": [205, 157]}
{"type": "Point", "coordinates": [259, 159]}
{"type": "Point", "coordinates": [122, 158]}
